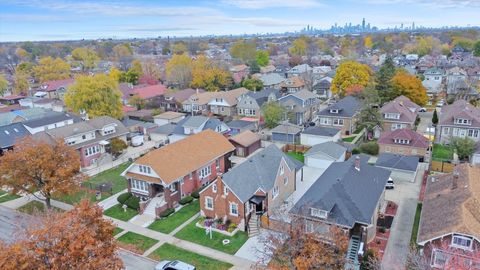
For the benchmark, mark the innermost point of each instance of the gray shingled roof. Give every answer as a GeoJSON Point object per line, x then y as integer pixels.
{"type": "Point", "coordinates": [287, 128]}
{"type": "Point", "coordinates": [165, 129]}
{"type": "Point", "coordinates": [321, 131]}
{"type": "Point", "coordinates": [350, 195]}
{"type": "Point", "coordinates": [331, 149]}
{"type": "Point", "coordinates": [51, 118]}
{"type": "Point", "coordinates": [347, 107]}
{"type": "Point", "coordinates": [258, 171]}
{"type": "Point", "coordinates": [239, 124]}
{"type": "Point", "coordinates": [10, 133]}
{"type": "Point", "coordinates": [399, 162]}
{"type": "Point", "coordinates": [195, 121]}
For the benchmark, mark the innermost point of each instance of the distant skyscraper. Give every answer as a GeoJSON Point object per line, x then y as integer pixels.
{"type": "Point", "coordinates": [363, 23]}
{"type": "Point", "coordinates": [413, 25]}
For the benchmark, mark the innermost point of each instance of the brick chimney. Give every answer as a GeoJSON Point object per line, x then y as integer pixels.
{"type": "Point", "coordinates": [357, 163]}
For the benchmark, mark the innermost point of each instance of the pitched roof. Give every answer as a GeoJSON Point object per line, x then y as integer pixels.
{"type": "Point", "coordinates": [258, 171]}
{"type": "Point", "coordinates": [399, 162]}
{"type": "Point", "coordinates": [239, 123]}
{"type": "Point", "coordinates": [330, 149]}
{"type": "Point", "coordinates": [461, 109]}
{"type": "Point", "coordinates": [238, 68]}
{"type": "Point", "coordinates": [169, 115]}
{"type": "Point", "coordinates": [347, 107]}
{"type": "Point", "coordinates": [54, 117]}
{"type": "Point", "coordinates": [404, 107]}
{"type": "Point", "coordinates": [195, 121]}
{"type": "Point", "coordinates": [451, 205]}
{"type": "Point", "coordinates": [304, 94]}
{"type": "Point", "coordinates": [321, 131]}
{"type": "Point", "coordinates": [292, 82]}
{"type": "Point", "coordinates": [272, 79]}
{"type": "Point", "coordinates": [416, 139]}
{"type": "Point", "coordinates": [10, 133]}
{"type": "Point", "coordinates": [231, 96]}
{"type": "Point", "coordinates": [349, 195]}
{"type": "Point", "coordinates": [246, 138]}
{"type": "Point", "coordinates": [287, 128]}
{"type": "Point", "coordinates": [200, 98]}
{"type": "Point", "coordinates": [149, 91]}
{"type": "Point", "coordinates": [182, 157]}
{"type": "Point", "coordinates": [182, 95]}
{"type": "Point", "coordinates": [54, 85]}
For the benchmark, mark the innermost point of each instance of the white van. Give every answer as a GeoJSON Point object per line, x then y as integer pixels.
{"type": "Point", "coordinates": [390, 184]}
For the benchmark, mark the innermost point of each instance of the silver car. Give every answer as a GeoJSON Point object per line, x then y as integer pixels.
{"type": "Point", "coordinates": [174, 265]}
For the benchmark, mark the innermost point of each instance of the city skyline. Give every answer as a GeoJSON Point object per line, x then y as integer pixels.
{"type": "Point", "coordinates": [22, 20]}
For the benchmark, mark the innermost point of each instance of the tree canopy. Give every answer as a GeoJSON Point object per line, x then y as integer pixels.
{"type": "Point", "coordinates": [252, 84]}
{"type": "Point", "coordinates": [409, 86]}
{"type": "Point", "coordinates": [179, 70]}
{"type": "Point", "coordinates": [476, 49]}
{"type": "Point", "coordinates": [49, 69]}
{"type": "Point", "coordinates": [273, 113]}
{"type": "Point", "coordinates": [244, 50]}
{"type": "Point", "coordinates": [350, 73]}
{"type": "Point", "coordinates": [262, 57]}
{"type": "Point", "coordinates": [299, 46]}
{"type": "Point", "coordinates": [3, 85]}
{"type": "Point", "coordinates": [208, 75]}
{"type": "Point", "coordinates": [87, 57]}
{"type": "Point", "coordinates": [97, 95]}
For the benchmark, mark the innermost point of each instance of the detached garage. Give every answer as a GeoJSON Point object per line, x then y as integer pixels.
{"type": "Point", "coordinates": [316, 135]}
{"type": "Point", "coordinates": [403, 168]}
{"type": "Point", "coordinates": [322, 155]}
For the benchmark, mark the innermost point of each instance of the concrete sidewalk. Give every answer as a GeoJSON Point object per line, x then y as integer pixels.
{"type": "Point", "coordinates": [111, 201]}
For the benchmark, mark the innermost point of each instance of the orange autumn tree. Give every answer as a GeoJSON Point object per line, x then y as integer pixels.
{"type": "Point", "coordinates": [409, 86]}
{"type": "Point", "coordinates": [40, 168]}
{"type": "Point", "coordinates": [77, 239]}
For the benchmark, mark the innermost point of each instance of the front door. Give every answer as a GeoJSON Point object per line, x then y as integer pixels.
{"type": "Point", "coordinates": [259, 208]}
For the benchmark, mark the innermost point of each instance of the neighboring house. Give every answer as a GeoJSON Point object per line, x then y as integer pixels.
{"type": "Point", "coordinates": [169, 117]}
{"type": "Point", "coordinates": [271, 80]}
{"type": "Point", "coordinates": [303, 105]}
{"type": "Point", "coordinates": [433, 80]}
{"type": "Point", "coordinates": [160, 135]}
{"type": "Point", "coordinates": [44, 103]}
{"type": "Point", "coordinates": [246, 143]}
{"type": "Point", "coordinates": [341, 115]}
{"type": "Point", "coordinates": [178, 169]}
{"type": "Point", "coordinates": [238, 126]}
{"type": "Point", "coordinates": [89, 138]}
{"type": "Point", "coordinates": [460, 119]}
{"type": "Point", "coordinates": [403, 168]}
{"type": "Point", "coordinates": [239, 72]}
{"type": "Point", "coordinates": [322, 87]}
{"type": "Point", "coordinates": [172, 101]}
{"type": "Point", "coordinates": [449, 221]}
{"type": "Point", "coordinates": [16, 116]}
{"type": "Point", "coordinates": [349, 195]}
{"type": "Point", "coordinates": [11, 99]}
{"type": "Point", "coordinates": [50, 121]}
{"type": "Point", "coordinates": [225, 102]}
{"type": "Point", "coordinates": [322, 155]}
{"type": "Point", "coordinates": [138, 126]}
{"type": "Point", "coordinates": [292, 85]}
{"type": "Point", "coordinates": [286, 133]}
{"type": "Point", "coordinates": [456, 80]}
{"type": "Point", "coordinates": [252, 189]}
{"type": "Point", "coordinates": [55, 89]}
{"type": "Point", "coordinates": [403, 141]}
{"type": "Point", "coordinates": [195, 124]}
{"type": "Point", "coordinates": [267, 69]}
{"type": "Point", "coordinates": [299, 70]}
{"type": "Point", "coordinates": [9, 134]}
{"type": "Point", "coordinates": [148, 92]}
{"type": "Point", "coordinates": [198, 102]}
{"type": "Point", "coordinates": [250, 104]}
{"type": "Point", "coordinates": [315, 135]}
{"type": "Point", "coordinates": [399, 113]}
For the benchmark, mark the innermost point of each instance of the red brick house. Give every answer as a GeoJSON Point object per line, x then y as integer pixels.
{"type": "Point", "coordinates": [403, 141]}
{"type": "Point", "coordinates": [399, 113]}
{"type": "Point", "coordinates": [246, 143]}
{"type": "Point", "coordinates": [180, 168]}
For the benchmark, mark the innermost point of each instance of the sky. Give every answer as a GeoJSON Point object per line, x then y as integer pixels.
{"type": "Point", "coordinates": [23, 20]}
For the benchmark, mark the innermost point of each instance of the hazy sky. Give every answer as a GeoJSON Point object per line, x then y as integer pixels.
{"type": "Point", "coordinates": [65, 19]}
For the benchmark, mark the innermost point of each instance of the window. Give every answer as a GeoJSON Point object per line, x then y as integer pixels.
{"type": "Point", "coordinates": [174, 187]}
{"type": "Point", "coordinates": [92, 150]}
{"type": "Point", "coordinates": [318, 213]}
{"type": "Point", "coordinates": [402, 141]}
{"type": "Point", "coordinates": [214, 188]}
{"type": "Point", "coordinates": [217, 163]}
{"type": "Point", "coordinates": [446, 130]}
{"type": "Point", "coordinates": [440, 258]}
{"type": "Point", "coordinates": [462, 121]}
{"type": "Point", "coordinates": [285, 180]}
{"type": "Point", "coordinates": [461, 241]}
{"type": "Point", "coordinates": [338, 122]}
{"type": "Point", "coordinates": [84, 137]}
{"type": "Point", "coordinates": [209, 203]}
{"type": "Point", "coordinates": [233, 209]}
{"type": "Point", "coordinates": [398, 126]}
{"type": "Point", "coordinates": [138, 185]}
{"type": "Point", "coordinates": [205, 171]}
{"type": "Point", "coordinates": [225, 190]}
{"type": "Point", "coordinates": [144, 169]}
{"type": "Point", "coordinates": [275, 192]}
{"type": "Point", "coordinates": [325, 121]}
{"type": "Point", "coordinates": [392, 116]}
{"type": "Point", "coordinates": [309, 228]}
{"type": "Point", "coordinates": [282, 169]}
{"type": "Point", "coordinates": [333, 110]}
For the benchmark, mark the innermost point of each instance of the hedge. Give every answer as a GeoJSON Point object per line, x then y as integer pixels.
{"type": "Point", "coordinates": [133, 202]}
{"type": "Point", "coordinates": [356, 151]}
{"type": "Point", "coordinates": [167, 212]}
{"type": "Point", "coordinates": [196, 194]}
{"type": "Point", "coordinates": [185, 200]}
{"type": "Point", "coordinates": [122, 198]}
{"type": "Point", "coordinates": [370, 148]}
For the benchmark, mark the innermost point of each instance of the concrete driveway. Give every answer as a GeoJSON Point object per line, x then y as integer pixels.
{"type": "Point", "coordinates": [405, 195]}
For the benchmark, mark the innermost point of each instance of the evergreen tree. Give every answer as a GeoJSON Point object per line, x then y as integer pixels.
{"type": "Point", "coordinates": [435, 117]}
{"type": "Point", "coordinates": [383, 77]}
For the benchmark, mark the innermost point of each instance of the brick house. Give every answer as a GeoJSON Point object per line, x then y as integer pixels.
{"type": "Point", "coordinates": [449, 223]}
{"type": "Point", "coordinates": [460, 119]}
{"type": "Point", "coordinates": [57, 88]}
{"type": "Point", "coordinates": [403, 141]}
{"type": "Point", "coordinates": [341, 115]}
{"type": "Point", "coordinates": [252, 189]}
{"type": "Point", "coordinates": [246, 143]}
{"type": "Point", "coordinates": [399, 113]}
{"type": "Point", "coordinates": [178, 169]}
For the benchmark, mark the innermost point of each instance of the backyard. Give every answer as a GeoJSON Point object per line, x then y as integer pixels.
{"type": "Point", "coordinates": [442, 152]}
{"type": "Point", "coordinates": [110, 176]}
{"type": "Point", "coordinates": [168, 224]}
{"type": "Point", "coordinates": [117, 212]}
{"type": "Point", "coordinates": [171, 252]}
{"type": "Point", "coordinates": [297, 155]}
{"type": "Point", "coordinates": [197, 235]}
{"type": "Point", "coordinates": [136, 242]}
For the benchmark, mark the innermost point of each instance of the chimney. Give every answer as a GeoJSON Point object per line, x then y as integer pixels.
{"type": "Point", "coordinates": [455, 180]}
{"type": "Point", "coordinates": [197, 91]}
{"type": "Point", "coordinates": [357, 163]}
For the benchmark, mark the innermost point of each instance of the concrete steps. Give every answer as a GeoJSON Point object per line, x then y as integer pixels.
{"type": "Point", "coordinates": [253, 226]}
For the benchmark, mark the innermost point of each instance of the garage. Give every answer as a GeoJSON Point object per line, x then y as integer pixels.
{"type": "Point", "coordinates": [403, 168]}
{"type": "Point", "coordinates": [322, 155]}
{"type": "Point", "coordinates": [317, 135]}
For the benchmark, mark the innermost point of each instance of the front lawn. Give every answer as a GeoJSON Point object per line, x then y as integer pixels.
{"type": "Point", "coordinates": [8, 197]}
{"type": "Point", "coordinates": [171, 252]}
{"type": "Point", "coordinates": [136, 242]}
{"type": "Point", "coordinates": [416, 224]}
{"type": "Point", "coordinates": [117, 212]}
{"type": "Point", "coordinates": [117, 231]}
{"type": "Point", "coordinates": [35, 206]}
{"type": "Point", "coordinates": [168, 224]}
{"type": "Point", "coordinates": [197, 235]}
{"type": "Point", "coordinates": [442, 152]}
{"type": "Point", "coordinates": [111, 176]}
{"type": "Point", "coordinates": [297, 155]}
{"type": "Point", "coordinates": [349, 139]}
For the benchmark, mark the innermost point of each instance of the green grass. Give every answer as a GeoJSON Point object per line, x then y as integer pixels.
{"type": "Point", "coordinates": [416, 224]}
{"type": "Point", "coordinates": [2, 192]}
{"type": "Point", "coordinates": [112, 175]}
{"type": "Point", "coordinates": [8, 197]}
{"type": "Point", "coordinates": [168, 224]}
{"type": "Point", "coordinates": [35, 206]}
{"type": "Point", "coordinates": [297, 155]}
{"type": "Point", "coordinates": [139, 242]}
{"type": "Point", "coordinates": [117, 230]}
{"type": "Point", "coordinates": [117, 212]}
{"type": "Point", "coordinates": [442, 152]}
{"type": "Point", "coordinates": [171, 252]}
{"type": "Point", "coordinates": [197, 235]}
{"type": "Point", "coordinates": [349, 139]}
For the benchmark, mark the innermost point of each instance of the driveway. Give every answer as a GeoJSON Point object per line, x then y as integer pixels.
{"type": "Point", "coordinates": [405, 195]}
{"type": "Point", "coordinates": [136, 262]}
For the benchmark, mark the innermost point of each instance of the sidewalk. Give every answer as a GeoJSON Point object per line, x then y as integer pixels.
{"type": "Point", "coordinates": [111, 201]}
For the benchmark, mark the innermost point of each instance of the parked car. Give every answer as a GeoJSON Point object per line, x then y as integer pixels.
{"type": "Point", "coordinates": [390, 184]}
{"type": "Point", "coordinates": [137, 140]}
{"type": "Point", "coordinates": [174, 265]}
{"type": "Point", "coordinates": [423, 109]}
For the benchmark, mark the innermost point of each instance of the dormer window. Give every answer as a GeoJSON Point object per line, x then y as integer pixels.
{"type": "Point", "coordinates": [333, 110]}
{"type": "Point", "coordinates": [108, 130]}
{"type": "Point", "coordinates": [402, 141]}
{"type": "Point", "coordinates": [461, 241]}
{"type": "Point", "coordinates": [318, 213]}
{"type": "Point", "coordinates": [392, 116]}
{"type": "Point", "coordinates": [144, 169]}
{"type": "Point", "coordinates": [462, 121]}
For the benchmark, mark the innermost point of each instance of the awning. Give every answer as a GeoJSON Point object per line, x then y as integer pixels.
{"type": "Point", "coordinates": [103, 143]}
{"type": "Point", "coordinates": [257, 199]}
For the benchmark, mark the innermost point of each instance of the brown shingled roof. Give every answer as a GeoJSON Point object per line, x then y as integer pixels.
{"type": "Point", "coordinates": [245, 138]}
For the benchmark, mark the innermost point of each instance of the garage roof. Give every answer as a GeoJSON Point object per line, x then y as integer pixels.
{"type": "Point", "coordinates": [398, 162]}
{"type": "Point", "coordinates": [331, 149]}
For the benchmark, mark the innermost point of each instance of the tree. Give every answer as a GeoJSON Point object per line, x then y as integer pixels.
{"type": "Point", "coordinates": [369, 116]}
{"type": "Point", "coordinates": [151, 71]}
{"type": "Point", "coordinates": [180, 48]}
{"type": "Point", "coordinates": [208, 75]}
{"type": "Point", "coordinates": [262, 58]}
{"type": "Point", "coordinates": [117, 146]}
{"type": "Point", "coordinates": [350, 73]}
{"type": "Point", "coordinates": [464, 147]}
{"type": "Point", "coordinates": [299, 46]}
{"type": "Point", "coordinates": [137, 102]}
{"type": "Point", "coordinates": [384, 76]}
{"type": "Point", "coordinates": [368, 42]}
{"type": "Point", "coordinates": [123, 55]}
{"type": "Point", "coordinates": [179, 70]}
{"type": "Point", "coordinates": [97, 95]}
{"type": "Point", "coordinates": [295, 60]}
{"type": "Point", "coordinates": [27, 170]}
{"type": "Point", "coordinates": [252, 84]}
{"type": "Point", "coordinates": [244, 50]}
{"type": "Point", "coordinates": [409, 86]}
{"type": "Point", "coordinates": [254, 67]}
{"type": "Point", "coordinates": [133, 73]}
{"type": "Point", "coordinates": [476, 49]}
{"type": "Point", "coordinates": [115, 74]}
{"type": "Point", "coordinates": [273, 113]}
{"type": "Point", "coordinates": [76, 239]}
{"type": "Point", "coordinates": [87, 57]}
{"type": "Point", "coordinates": [49, 69]}
{"type": "Point", "coordinates": [435, 118]}
{"type": "Point", "coordinates": [3, 85]}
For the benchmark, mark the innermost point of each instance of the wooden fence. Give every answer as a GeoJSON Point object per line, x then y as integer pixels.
{"type": "Point", "coordinates": [442, 166]}
{"type": "Point", "coordinates": [298, 148]}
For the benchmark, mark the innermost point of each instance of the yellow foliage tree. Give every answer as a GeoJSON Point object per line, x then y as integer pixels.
{"type": "Point", "coordinates": [243, 50]}
{"type": "Point", "coordinates": [299, 46]}
{"type": "Point", "coordinates": [97, 95]}
{"type": "Point", "coordinates": [122, 50]}
{"type": "Point", "coordinates": [368, 42]}
{"type": "Point", "coordinates": [350, 73]}
{"type": "Point", "coordinates": [87, 57]}
{"type": "Point", "coordinates": [180, 48]}
{"type": "Point", "coordinates": [179, 70]}
{"type": "Point", "coordinates": [3, 84]}
{"type": "Point", "coordinates": [409, 86]}
{"type": "Point", "coordinates": [49, 69]}
{"type": "Point", "coordinates": [208, 75]}
{"type": "Point", "coordinates": [115, 74]}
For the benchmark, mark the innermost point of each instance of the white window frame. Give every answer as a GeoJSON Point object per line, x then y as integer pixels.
{"type": "Point", "coordinates": [462, 238]}
{"type": "Point", "coordinates": [434, 259]}
{"type": "Point", "coordinates": [309, 226]}
{"type": "Point", "coordinates": [338, 122]}
{"type": "Point", "coordinates": [282, 169]}
{"type": "Point", "coordinates": [205, 172]}
{"type": "Point", "coordinates": [225, 190]}
{"type": "Point", "coordinates": [275, 192]}
{"type": "Point", "coordinates": [214, 188]}
{"type": "Point", "coordinates": [217, 163]}
{"type": "Point", "coordinates": [285, 180]}
{"type": "Point", "coordinates": [232, 208]}
{"type": "Point", "coordinates": [314, 212]}
{"type": "Point", "coordinates": [139, 185]}
{"type": "Point", "coordinates": [207, 201]}
{"type": "Point", "coordinates": [325, 121]}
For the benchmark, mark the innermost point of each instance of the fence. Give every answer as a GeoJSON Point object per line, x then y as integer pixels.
{"type": "Point", "coordinates": [442, 166]}
{"type": "Point", "coordinates": [297, 148]}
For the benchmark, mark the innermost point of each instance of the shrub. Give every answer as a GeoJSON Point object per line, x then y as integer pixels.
{"type": "Point", "coordinates": [167, 212]}
{"type": "Point", "coordinates": [196, 194]}
{"type": "Point", "coordinates": [185, 200]}
{"type": "Point", "coordinates": [124, 197]}
{"type": "Point", "coordinates": [232, 227]}
{"type": "Point", "coordinates": [382, 229]}
{"type": "Point", "coordinates": [133, 202]}
{"type": "Point", "coordinates": [355, 151]}
{"type": "Point", "coordinates": [370, 148]}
